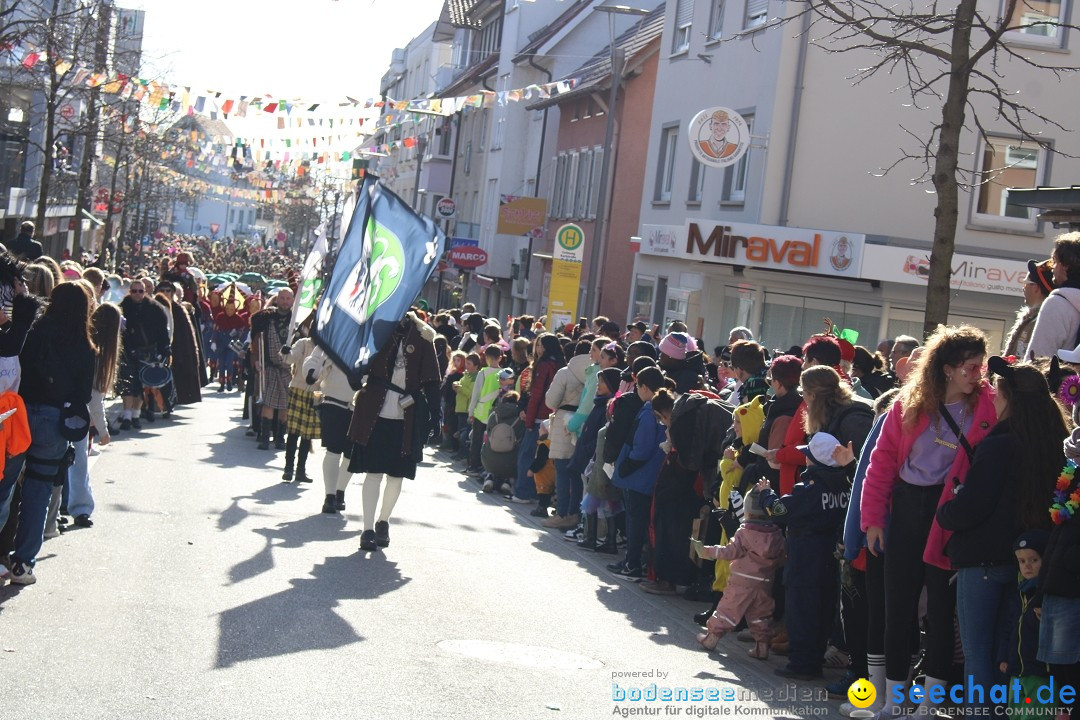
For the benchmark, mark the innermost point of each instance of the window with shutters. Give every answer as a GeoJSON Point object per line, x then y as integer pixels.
{"type": "Point", "coordinates": [757, 12]}
{"type": "Point", "coordinates": [570, 186]}
{"type": "Point", "coordinates": [597, 170]}
{"type": "Point", "coordinates": [665, 167]}
{"type": "Point", "coordinates": [581, 204]}
{"type": "Point", "coordinates": [684, 18]}
{"type": "Point", "coordinates": [716, 20]}
{"type": "Point", "coordinates": [556, 188]}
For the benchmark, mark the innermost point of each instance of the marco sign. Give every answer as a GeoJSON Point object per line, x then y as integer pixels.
{"type": "Point", "coordinates": [822, 252]}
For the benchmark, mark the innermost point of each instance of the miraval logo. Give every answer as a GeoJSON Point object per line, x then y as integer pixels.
{"type": "Point", "coordinates": [967, 270]}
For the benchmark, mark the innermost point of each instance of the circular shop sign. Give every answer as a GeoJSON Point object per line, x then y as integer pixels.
{"type": "Point", "coordinates": [719, 137]}
{"type": "Point", "coordinates": [446, 208]}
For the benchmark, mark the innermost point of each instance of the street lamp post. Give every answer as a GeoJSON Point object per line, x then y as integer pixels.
{"type": "Point", "coordinates": [421, 147]}
{"type": "Point", "coordinates": [618, 59]}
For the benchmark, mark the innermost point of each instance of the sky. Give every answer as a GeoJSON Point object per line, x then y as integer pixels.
{"type": "Point", "coordinates": [317, 50]}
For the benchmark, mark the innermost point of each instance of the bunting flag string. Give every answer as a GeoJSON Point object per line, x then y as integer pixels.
{"type": "Point", "coordinates": [181, 99]}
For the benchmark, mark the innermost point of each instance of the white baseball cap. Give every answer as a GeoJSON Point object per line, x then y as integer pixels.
{"type": "Point", "coordinates": [1070, 356]}
{"type": "Point", "coordinates": [820, 449]}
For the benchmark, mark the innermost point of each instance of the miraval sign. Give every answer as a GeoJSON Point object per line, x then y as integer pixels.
{"type": "Point", "coordinates": [823, 252]}
{"type": "Point", "coordinates": [969, 272]}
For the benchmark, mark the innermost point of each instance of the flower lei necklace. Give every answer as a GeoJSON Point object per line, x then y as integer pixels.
{"type": "Point", "coordinates": [1065, 504]}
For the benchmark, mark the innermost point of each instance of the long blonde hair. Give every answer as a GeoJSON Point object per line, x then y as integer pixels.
{"type": "Point", "coordinates": [925, 386]}
{"type": "Point", "coordinates": [824, 394]}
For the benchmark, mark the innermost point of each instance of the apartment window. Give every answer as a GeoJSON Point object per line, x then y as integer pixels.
{"type": "Point", "coordinates": [716, 20]}
{"type": "Point", "coordinates": [735, 176]}
{"type": "Point", "coordinates": [1038, 20]}
{"type": "Point", "coordinates": [757, 12]}
{"type": "Point", "coordinates": [597, 170]}
{"type": "Point", "coordinates": [684, 18]}
{"type": "Point", "coordinates": [1006, 163]}
{"type": "Point", "coordinates": [445, 131]}
{"type": "Point", "coordinates": [665, 169]}
{"type": "Point", "coordinates": [697, 182]}
{"type": "Point", "coordinates": [488, 37]}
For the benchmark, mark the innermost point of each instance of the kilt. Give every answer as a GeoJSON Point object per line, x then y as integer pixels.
{"type": "Point", "coordinates": [302, 418]}
{"type": "Point", "coordinates": [275, 382]}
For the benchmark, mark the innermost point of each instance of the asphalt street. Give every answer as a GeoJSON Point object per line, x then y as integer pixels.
{"type": "Point", "coordinates": [210, 589]}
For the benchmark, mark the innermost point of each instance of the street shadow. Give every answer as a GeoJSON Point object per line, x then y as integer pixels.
{"type": "Point", "coordinates": [289, 535]}
{"type": "Point", "coordinates": [302, 617]}
{"type": "Point", "coordinates": [235, 449]}
{"type": "Point", "coordinates": [266, 495]}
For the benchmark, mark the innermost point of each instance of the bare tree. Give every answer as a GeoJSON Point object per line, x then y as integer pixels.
{"type": "Point", "coordinates": [953, 58]}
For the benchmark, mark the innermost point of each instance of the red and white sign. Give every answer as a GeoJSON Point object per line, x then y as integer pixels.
{"type": "Point", "coordinates": [445, 209]}
{"type": "Point", "coordinates": [67, 111]}
{"type": "Point", "coordinates": [468, 257]}
{"type": "Point", "coordinates": [214, 227]}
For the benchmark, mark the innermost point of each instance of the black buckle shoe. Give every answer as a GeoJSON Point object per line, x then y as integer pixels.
{"type": "Point", "coordinates": [382, 533]}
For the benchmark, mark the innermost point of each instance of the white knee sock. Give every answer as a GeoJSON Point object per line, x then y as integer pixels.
{"type": "Point", "coordinates": [890, 684]}
{"type": "Point", "coordinates": [344, 476]}
{"type": "Point", "coordinates": [390, 497]}
{"type": "Point", "coordinates": [331, 465]}
{"type": "Point", "coordinates": [372, 481]}
{"type": "Point", "coordinates": [876, 667]}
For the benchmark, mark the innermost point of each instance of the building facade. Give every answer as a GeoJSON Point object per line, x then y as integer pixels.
{"type": "Point", "coordinates": [807, 226]}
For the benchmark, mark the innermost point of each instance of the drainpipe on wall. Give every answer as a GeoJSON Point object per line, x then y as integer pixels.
{"type": "Point", "coordinates": [793, 132]}
{"type": "Point", "coordinates": [539, 161]}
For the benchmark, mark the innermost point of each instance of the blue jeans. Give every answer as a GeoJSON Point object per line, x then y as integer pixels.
{"type": "Point", "coordinates": [80, 499]}
{"type": "Point", "coordinates": [563, 506]}
{"type": "Point", "coordinates": [524, 486]}
{"type": "Point", "coordinates": [46, 444]}
{"type": "Point", "coordinates": [982, 603]}
{"type": "Point", "coordinates": [12, 469]}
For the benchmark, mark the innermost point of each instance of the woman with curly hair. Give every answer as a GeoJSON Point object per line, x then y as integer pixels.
{"type": "Point", "coordinates": [923, 452]}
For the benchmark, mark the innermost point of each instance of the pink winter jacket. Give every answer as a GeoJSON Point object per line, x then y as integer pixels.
{"type": "Point", "coordinates": [755, 552]}
{"type": "Point", "coordinates": [894, 445]}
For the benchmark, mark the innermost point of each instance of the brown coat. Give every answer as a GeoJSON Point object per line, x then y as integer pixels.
{"type": "Point", "coordinates": [421, 368]}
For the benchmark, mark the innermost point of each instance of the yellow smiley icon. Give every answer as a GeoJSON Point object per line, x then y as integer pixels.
{"type": "Point", "coordinates": [862, 693]}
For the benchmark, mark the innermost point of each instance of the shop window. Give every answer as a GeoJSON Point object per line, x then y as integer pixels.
{"type": "Point", "coordinates": [737, 311]}
{"type": "Point", "coordinates": [684, 19]}
{"type": "Point", "coordinates": [716, 20]}
{"type": "Point", "coordinates": [644, 290]}
{"type": "Point", "coordinates": [757, 11]}
{"type": "Point", "coordinates": [1037, 21]}
{"type": "Point", "coordinates": [1006, 163]}
{"type": "Point", "coordinates": [789, 320]}
{"type": "Point", "coordinates": [665, 169]}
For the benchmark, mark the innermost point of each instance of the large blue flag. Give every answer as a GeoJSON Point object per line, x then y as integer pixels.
{"type": "Point", "coordinates": [388, 253]}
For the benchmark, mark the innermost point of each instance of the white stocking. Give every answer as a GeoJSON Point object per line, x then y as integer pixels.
{"type": "Point", "coordinates": [344, 476]}
{"type": "Point", "coordinates": [331, 467]}
{"type": "Point", "coordinates": [390, 497]}
{"type": "Point", "coordinates": [372, 481]}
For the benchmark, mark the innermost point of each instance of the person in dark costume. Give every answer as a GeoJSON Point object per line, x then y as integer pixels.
{"type": "Point", "coordinates": [391, 421]}
{"type": "Point", "coordinates": [145, 339]}
{"type": "Point", "coordinates": [185, 349]}
{"type": "Point", "coordinates": [269, 334]}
